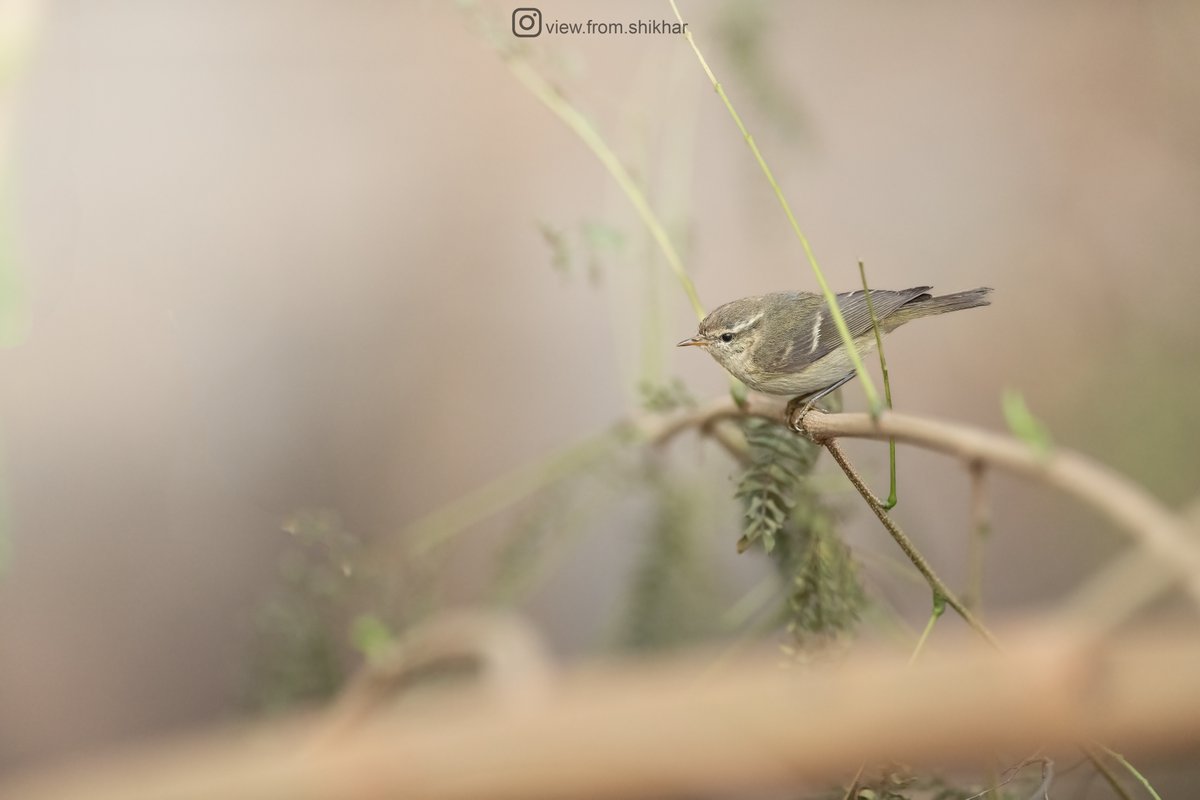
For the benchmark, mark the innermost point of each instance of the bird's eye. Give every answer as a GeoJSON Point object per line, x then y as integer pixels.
{"type": "Point", "coordinates": [726, 337]}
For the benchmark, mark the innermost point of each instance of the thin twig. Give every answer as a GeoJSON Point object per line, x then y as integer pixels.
{"type": "Point", "coordinates": [887, 386]}
{"type": "Point", "coordinates": [441, 524]}
{"type": "Point", "coordinates": [1120, 759]}
{"type": "Point", "coordinates": [1043, 790]}
{"type": "Point", "coordinates": [1095, 754]}
{"type": "Point", "coordinates": [1122, 501]}
{"type": "Point", "coordinates": [936, 584]}
{"type": "Point", "coordinates": [941, 590]}
{"type": "Point", "coordinates": [849, 795]}
{"type": "Point", "coordinates": [939, 608]}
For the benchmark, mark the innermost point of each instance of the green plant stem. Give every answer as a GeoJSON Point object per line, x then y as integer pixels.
{"type": "Point", "coordinates": [887, 387]}
{"type": "Point", "coordinates": [1120, 759]}
{"type": "Point", "coordinates": [939, 608]}
{"type": "Point", "coordinates": [936, 584]}
{"type": "Point", "coordinates": [830, 299]}
{"type": "Point", "coordinates": [440, 525]}
{"type": "Point", "coordinates": [1095, 755]}
{"type": "Point", "coordinates": [583, 128]}
{"type": "Point", "coordinates": [939, 588]}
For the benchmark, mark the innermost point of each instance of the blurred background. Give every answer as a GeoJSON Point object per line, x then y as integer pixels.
{"type": "Point", "coordinates": [282, 278]}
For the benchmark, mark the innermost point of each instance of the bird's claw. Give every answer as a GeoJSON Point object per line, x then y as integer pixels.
{"type": "Point", "coordinates": [797, 410]}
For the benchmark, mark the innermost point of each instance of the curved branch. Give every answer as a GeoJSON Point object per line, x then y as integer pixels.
{"type": "Point", "coordinates": [1168, 536]}
{"type": "Point", "coordinates": [1122, 501]}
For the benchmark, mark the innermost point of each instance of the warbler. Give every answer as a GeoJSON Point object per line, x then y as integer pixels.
{"type": "Point", "coordinates": [786, 343]}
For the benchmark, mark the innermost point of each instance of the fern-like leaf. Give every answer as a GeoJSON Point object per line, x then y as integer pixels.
{"type": "Point", "coordinates": [825, 596]}
{"type": "Point", "coordinates": [777, 458]}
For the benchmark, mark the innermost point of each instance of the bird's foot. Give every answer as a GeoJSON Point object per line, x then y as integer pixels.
{"type": "Point", "coordinates": [798, 408]}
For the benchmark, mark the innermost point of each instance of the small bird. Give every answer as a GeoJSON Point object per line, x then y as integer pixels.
{"type": "Point", "coordinates": [786, 343]}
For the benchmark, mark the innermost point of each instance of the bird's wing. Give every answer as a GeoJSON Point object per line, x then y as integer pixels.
{"type": "Point", "coordinates": [820, 336]}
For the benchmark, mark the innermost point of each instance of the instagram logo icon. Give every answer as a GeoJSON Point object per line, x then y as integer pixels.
{"type": "Point", "coordinates": [527, 22]}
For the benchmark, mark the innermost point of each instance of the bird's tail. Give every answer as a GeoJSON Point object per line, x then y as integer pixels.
{"type": "Point", "coordinates": [927, 305]}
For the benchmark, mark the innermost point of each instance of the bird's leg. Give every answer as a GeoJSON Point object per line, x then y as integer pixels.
{"type": "Point", "coordinates": [809, 400]}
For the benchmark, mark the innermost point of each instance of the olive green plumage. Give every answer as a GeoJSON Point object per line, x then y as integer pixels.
{"type": "Point", "coordinates": [786, 343]}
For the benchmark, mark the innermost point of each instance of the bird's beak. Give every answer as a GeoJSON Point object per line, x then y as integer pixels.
{"type": "Point", "coordinates": [695, 341]}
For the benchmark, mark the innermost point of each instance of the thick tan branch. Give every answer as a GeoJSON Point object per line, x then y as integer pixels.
{"type": "Point", "coordinates": [660, 730]}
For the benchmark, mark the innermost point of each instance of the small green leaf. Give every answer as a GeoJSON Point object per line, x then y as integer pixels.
{"type": "Point", "coordinates": [599, 236]}
{"type": "Point", "coordinates": [798, 532]}
{"type": "Point", "coordinates": [370, 635]}
{"type": "Point", "coordinates": [1023, 424]}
